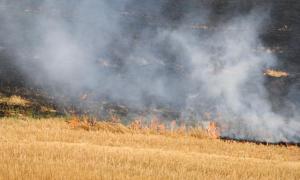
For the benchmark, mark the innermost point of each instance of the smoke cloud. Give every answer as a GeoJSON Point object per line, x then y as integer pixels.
{"type": "Point", "coordinates": [185, 60]}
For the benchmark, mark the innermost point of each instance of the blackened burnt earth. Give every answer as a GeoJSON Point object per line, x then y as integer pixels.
{"type": "Point", "coordinates": [281, 143]}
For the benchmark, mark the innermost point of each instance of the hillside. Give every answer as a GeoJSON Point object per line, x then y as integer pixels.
{"type": "Point", "coordinates": [161, 89]}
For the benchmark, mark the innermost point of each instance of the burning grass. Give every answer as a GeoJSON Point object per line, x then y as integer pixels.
{"type": "Point", "coordinates": [52, 149]}
{"type": "Point", "coordinates": [154, 126]}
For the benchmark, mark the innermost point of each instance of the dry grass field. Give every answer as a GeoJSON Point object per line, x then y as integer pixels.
{"type": "Point", "coordinates": [51, 149]}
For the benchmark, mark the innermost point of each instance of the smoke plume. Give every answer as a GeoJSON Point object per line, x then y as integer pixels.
{"type": "Point", "coordinates": [150, 57]}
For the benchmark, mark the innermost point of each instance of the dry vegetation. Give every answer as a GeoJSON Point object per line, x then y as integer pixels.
{"type": "Point", "coordinates": [52, 149]}
{"type": "Point", "coordinates": [276, 74]}
{"type": "Point", "coordinates": [15, 100]}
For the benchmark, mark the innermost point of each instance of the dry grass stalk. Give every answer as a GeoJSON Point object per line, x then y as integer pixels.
{"type": "Point", "coordinates": [199, 133]}
{"type": "Point", "coordinates": [181, 129]}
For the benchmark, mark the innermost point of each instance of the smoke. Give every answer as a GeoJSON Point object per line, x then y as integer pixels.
{"type": "Point", "coordinates": [150, 57]}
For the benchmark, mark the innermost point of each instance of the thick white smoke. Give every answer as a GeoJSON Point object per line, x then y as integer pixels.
{"type": "Point", "coordinates": [91, 46]}
{"type": "Point", "coordinates": [228, 81]}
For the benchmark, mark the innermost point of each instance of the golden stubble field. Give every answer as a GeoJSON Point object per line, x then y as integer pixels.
{"type": "Point", "coordinates": [51, 149]}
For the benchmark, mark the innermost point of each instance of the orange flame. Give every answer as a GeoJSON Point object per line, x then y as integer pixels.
{"type": "Point", "coordinates": [74, 122]}
{"type": "Point", "coordinates": [136, 124]}
{"type": "Point", "coordinates": [213, 130]}
{"type": "Point", "coordinates": [154, 123]}
{"type": "Point", "coordinates": [173, 125]}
